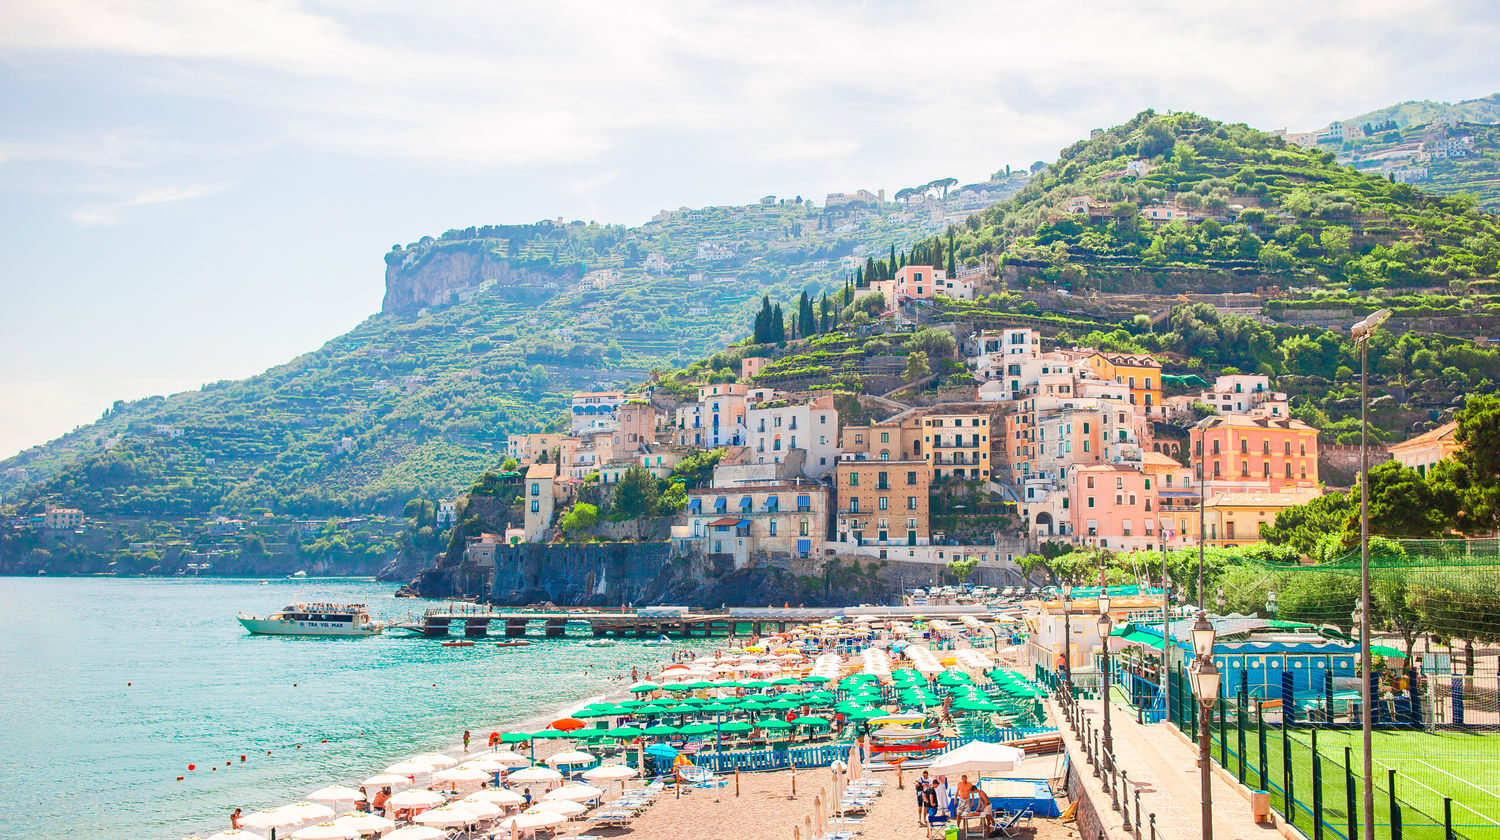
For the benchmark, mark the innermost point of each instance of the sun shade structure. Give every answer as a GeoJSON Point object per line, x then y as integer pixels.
{"type": "Point", "coordinates": [978, 757]}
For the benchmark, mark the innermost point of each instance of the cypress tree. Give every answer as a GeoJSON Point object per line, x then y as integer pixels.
{"type": "Point", "coordinates": [778, 325]}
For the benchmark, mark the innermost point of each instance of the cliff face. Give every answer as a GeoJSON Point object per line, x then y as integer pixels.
{"type": "Point", "coordinates": [422, 277]}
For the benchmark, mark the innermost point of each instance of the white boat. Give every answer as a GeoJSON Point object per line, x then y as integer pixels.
{"type": "Point", "coordinates": [296, 575]}
{"type": "Point", "coordinates": [599, 643]}
{"type": "Point", "coordinates": [314, 620]}
{"type": "Point", "coordinates": [659, 641]}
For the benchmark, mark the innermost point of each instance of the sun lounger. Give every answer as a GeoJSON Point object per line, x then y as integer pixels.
{"type": "Point", "coordinates": [1006, 823]}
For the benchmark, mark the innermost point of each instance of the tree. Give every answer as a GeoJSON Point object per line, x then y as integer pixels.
{"type": "Point", "coordinates": [580, 517]}
{"type": "Point", "coordinates": [961, 569]}
{"type": "Point", "coordinates": [1404, 504]}
{"type": "Point", "coordinates": [916, 366]}
{"type": "Point", "coordinates": [778, 325]}
{"type": "Point", "coordinates": [674, 499]}
{"type": "Point", "coordinates": [1300, 527]}
{"type": "Point", "coordinates": [807, 320]}
{"type": "Point", "coordinates": [509, 465]}
{"type": "Point", "coordinates": [1478, 437]}
{"type": "Point", "coordinates": [637, 496]}
{"type": "Point", "coordinates": [254, 545]}
{"type": "Point", "coordinates": [696, 469]}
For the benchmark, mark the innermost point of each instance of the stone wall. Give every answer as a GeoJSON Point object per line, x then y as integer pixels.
{"type": "Point", "coordinates": [1338, 465]}
{"type": "Point", "coordinates": [1090, 827]}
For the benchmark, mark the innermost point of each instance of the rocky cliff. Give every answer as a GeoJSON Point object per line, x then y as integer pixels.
{"type": "Point", "coordinates": [447, 272]}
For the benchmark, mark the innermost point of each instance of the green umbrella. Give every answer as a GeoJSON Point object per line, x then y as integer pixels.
{"type": "Point", "coordinates": [812, 721]}
{"type": "Point", "coordinates": [783, 705]}
{"type": "Point", "coordinates": [592, 736]}
{"type": "Point", "coordinates": [784, 681]}
{"type": "Point", "coordinates": [623, 732]}
{"type": "Point", "coordinates": [728, 684]}
{"type": "Point", "coordinates": [514, 737]}
{"type": "Point", "coordinates": [661, 729]}
{"type": "Point", "coordinates": [817, 701]}
{"type": "Point", "coordinates": [683, 709]}
{"type": "Point", "coordinates": [735, 727]}
{"type": "Point", "coordinates": [652, 709]}
{"type": "Point", "coordinates": [753, 705]}
{"type": "Point", "coordinates": [700, 684]}
{"type": "Point", "coordinates": [551, 733]}
{"type": "Point", "coordinates": [697, 729]}
{"type": "Point", "coordinates": [773, 724]}
{"type": "Point", "coordinates": [815, 678]}
{"type": "Point", "coordinates": [716, 708]}
{"type": "Point", "coordinates": [630, 704]}
{"type": "Point", "coordinates": [643, 687]}
{"type": "Point", "coordinates": [867, 714]}
{"type": "Point", "coordinates": [754, 684]}
{"type": "Point", "coordinates": [585, 714]}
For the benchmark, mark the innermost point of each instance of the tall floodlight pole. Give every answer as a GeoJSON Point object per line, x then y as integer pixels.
{"type": "Point", "coordinates": [1361, 333]}
{"type": "Point", "coordinates": [1202, 501]}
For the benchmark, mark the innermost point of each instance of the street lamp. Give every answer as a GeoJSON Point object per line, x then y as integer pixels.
{"type": "Point", "coordinates": [1204, 678]}
{"type": "Point", "coordinates": [1067, 598]}
{"type": "Point", "coordinates": [1361, 333]}
{"type": "Point", "coordinates": [1104, 626]}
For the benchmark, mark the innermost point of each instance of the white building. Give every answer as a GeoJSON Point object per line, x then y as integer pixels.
{"type": "Point", "coordinates": [595, 409]}
{"type": "Point", "coordinates": [1246, 394]}
{"type": "Point", "coordinates": [716, 419]}
{"type": "Point", "coordinates": [775, 429]}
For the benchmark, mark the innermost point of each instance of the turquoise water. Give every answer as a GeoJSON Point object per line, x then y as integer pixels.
{"type": "Point", "coordinates": [111, 687]}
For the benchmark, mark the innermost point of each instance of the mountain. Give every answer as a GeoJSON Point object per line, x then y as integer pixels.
{"type": "Point", "coordinates": [483, 332]}
{"type": "Point", "coordinates": [1485, 109]}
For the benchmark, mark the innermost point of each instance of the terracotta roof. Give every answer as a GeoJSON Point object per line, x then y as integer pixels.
{"type": "Point", "coordinates": [1442, 432]}
{"type": "Point", "coordinates": [1280, 499]}
{"type": "Point", "coordinates": [542, 471]}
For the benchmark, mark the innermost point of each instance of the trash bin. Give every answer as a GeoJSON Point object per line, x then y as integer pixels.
{"type": "Point", "coordinates": [950, 833]}
{"type": "Point", "coordinates": [1260, 806]}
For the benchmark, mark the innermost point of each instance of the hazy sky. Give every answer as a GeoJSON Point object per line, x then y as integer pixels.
{"type": "Point", "coordinates": [193, 191]}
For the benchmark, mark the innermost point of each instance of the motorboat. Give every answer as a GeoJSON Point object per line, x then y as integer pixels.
{"type": "Point", "coordinates": [314, 620]}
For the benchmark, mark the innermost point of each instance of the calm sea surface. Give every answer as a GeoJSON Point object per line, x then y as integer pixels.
{"type": "Point", "coordinates": [109, 688]}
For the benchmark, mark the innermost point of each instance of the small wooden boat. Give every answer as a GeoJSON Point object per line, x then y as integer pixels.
{"type": "Point", "coordinates": [458, 644]}
{"type": "Point", "coordinates": [512, 644]}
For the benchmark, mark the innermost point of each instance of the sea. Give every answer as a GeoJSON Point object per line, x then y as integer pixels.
{"type": "Point", "coordinates": [110, 688]}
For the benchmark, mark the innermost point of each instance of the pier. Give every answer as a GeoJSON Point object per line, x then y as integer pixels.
{"type": "Point", "coordinates": [650, 622]}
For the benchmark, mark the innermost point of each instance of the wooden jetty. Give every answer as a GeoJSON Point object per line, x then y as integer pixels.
{"type": "Point", "coordinates": [645, 622]}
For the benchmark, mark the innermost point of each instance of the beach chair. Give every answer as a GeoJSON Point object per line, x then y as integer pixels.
{"type": "Point", "coordinates": [1010, 820]}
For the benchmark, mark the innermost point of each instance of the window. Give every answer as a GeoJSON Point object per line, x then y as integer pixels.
{"type": "Point", "coordinates": [772, 531]}
{"type": "Point", "coordinates": [1244, 446]}
{"type": "Point", "coordinates": [1091, 482]}
{"type": "Point", "coordinates": [536, 506]}
{"type": "Point", "coordinates": [885, 503]}
{"type": "Point", "coordinates": [1148, 484]}
{"type": "Point", "coordinates": [854, 479]}
{"type": "Point", "coordinates": [536, 488]}
{"type": "Point", "coordinates": [1288, 447]}
{"type": "Point", "coordinates": [802, 527]}
{"type": "Point", "coordinates": [885, 437]}
{"type": "Point", "coordinates": [1216, 469]}
{"type": "Point", "coordinates": [881, 482]}
{"type": "Point", "coordinates": [1091, 501]}
{"type": "Point", "coordinates": [1265, 447]}
{"type": "Point", "coordinates": [854, 505]}
{"type": "Point", "coordinates": [1148, 510]}
{"type": "Point", "coordinates": [911, 478]}
{"type": "Point", "coordinates": [1288, 469]}
{"type": "Point", "coordinates": [1119, 483]}
{"type": "Point", "coordinates": [1244, 469]}
{"type": "Point", "coordinates": [911, 502]}
{"type": "Point", "coordinates": [1085, 428]}
{"type": "Point", "coordinates": [1216, 446]}
{"type": "Point", "coordinates": [1304, 447]}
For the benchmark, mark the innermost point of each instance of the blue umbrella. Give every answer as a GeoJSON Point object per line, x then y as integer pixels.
{"type": "Point", "coordinates": [661, 750]}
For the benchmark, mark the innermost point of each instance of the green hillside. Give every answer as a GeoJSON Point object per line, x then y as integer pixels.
{"type": "Point", "coordinates": [1485, 109]}
{"type": "Point", "coordinates": [486, 332]}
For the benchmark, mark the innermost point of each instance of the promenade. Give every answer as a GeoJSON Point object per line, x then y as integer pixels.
{"type": "Point", "coordinates": [1162, 768]}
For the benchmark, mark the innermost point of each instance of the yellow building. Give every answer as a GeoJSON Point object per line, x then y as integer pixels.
{"type": "Point", "coordinates": [957, 445]}
{"type": "Point", "coordinates": [1140, 371]}
{"type": "Point", "coordinates": [1235, 518]}
{"type": "Point", "coordinates": [1425, 450]}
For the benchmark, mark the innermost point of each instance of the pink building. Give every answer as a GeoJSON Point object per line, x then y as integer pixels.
{"type": "Point", "coordinates": [1114, 507]}
{"type": "Point", "coordinates": [637, 427]}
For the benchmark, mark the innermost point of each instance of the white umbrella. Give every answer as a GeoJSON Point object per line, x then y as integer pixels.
{"type": "Point", "coordinates": [497, 796]}
{"type": "Point", "coordinates": [462, 775]}
{"type": "Point", "coordinates": [385, 780]}
{"type": "Point", "coordinates": [410, 768]}
{"type": "Point", "coordinates": [336, 793]}
{"type": "Point", "coordinates": [276, 818]}
{"type": "Point", "coordinates": [235, 834]}
{"type": "Point", "coordinates": [978, 757]}
{"type": "Point", "coordinates": [435, 759]}
{"type": "Point", "coordinates": [506, 757]}
{"type": "Point", "coordinates": [534, 775]}
{"type": "Point", "coordinates": [365, 823]}
{"type": "Point", "coordinates": [479, 808]}
{"type": "Point", "coordinates": [566, 807]}
{"type": "Point", "coordinates": [447, 816]}
{"type": "Point", "coordinates": [527, 822]}
{"type": "Point", "coordinates": [414, 798]}
{"type": "Point", "coordinates": [486, 765]}
{"type": "Point", "coordinates": [577, 793]}
{"type": "Point", "coordinates": [325, 831]}
{"type": "Point", "coordinates": [571, 757]}
{"type": "Point", "coordinates": [611, 773]}
{"type": "Point", "coordinates": [414, 832]}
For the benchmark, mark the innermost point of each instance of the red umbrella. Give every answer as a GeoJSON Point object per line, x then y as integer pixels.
{"type": "Point", "coordinates": [568, 724]}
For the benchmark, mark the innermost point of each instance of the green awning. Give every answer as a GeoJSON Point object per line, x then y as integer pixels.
{"type": "Point", "coordinates": [1142, 638]}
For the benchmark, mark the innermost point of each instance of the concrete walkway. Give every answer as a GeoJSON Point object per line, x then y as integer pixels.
{"type": "Point", "coordinates": [1162, 766]}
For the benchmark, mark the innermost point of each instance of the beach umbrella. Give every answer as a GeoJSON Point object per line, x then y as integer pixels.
{"type": "Point", "coordinates": [336, 793]}
{"type": "Point", "coordinates": [816, 678]}
{"type": "Point", "coordinates": [776, 724]}
{"type": "Point", "coordinates": [534, 775]}
{"type": "Point", "coordinates": [651, 709]}
{"type": "Point", "coordinates": [752, 705]}
{"type": "Point", "coordinates": [607, 711]}
{"type": "Point", "coordinates": [630, 704]}
{"type": "Point", "coordinates": [366, 823]}
{"type": "Point", "coordinates": [782, 705]}
{"type": "Point", "coordinates": [565, 807]}
{"type": "Point", "coordinates": [785, 681]}
{"type": "Point", "coordinates": [481, 809]}
{"type": "Point", "coordinates": [568, 724]}
{"type": "Point", "coordinates": [415, 832]}
{"type": "Point", "coordinates": [978, 757]}
{"type": "Point", "coordinates": [571, 757]}
{"type": "Point", "coordinates": [309, 812]}
{"type": "Point", "coordinates": [505, 757]}
{"type": "Point", "coordinates": [529, 822]}
{"type": "Point", "coordinates": [736, 727]}
{"type": "Point", "coordinates": [271, 819]}
{"type": "Point", "coordinates": [496, 796]}
{"type": "Point", "coordinates": [462, 775]}
{"type": "Point", "coordinates": [235, 834]}
{"type": "Point", "coordinates": [700, 684]}
{"type": "Point", "coordinates": [385, 779]}
{"type": "Point", "coordinates": [697, 729]}
{"type": "Point", "coordinates": [660, 729]}
{"type": "Point", "coordinates": [576, 793]}
{"type": "Point", "coordinates": [623, 732]}
{"type": "Point", "coordinates": [437, 760]}
{"type": "Point", "coordinates": [611, 773]}
{"type": "Point", "coordinates": [485, 765]}
{"type": "Point", "coordinates": [325, 831]}
{"type": "Point", "coordinates": [548, 734]}
{"type": "Point", "coordinates": [448, 816]}
{"type": "Point", "coordinates": [683, 709]}
{"type": "Point", "coordinates": [716, 708]}
{"type": "Point", "coordinates": [812, 721]}
{"type": "Point", "coordinates": [644, 687]}
{"type": "Point", "coordinates": [414, 798]}
{"type": "Point", "coordinates": [410, 768]}
{"type": "Point", "coordinates": [514, 737]}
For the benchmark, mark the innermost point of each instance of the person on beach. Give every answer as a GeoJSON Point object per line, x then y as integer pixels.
{"type": "Point", "coordinates": [979, 803]}
{"type": "Point", "coordinates": [494, 739]}
{"type": "Point", "coordinates": [378, 805]}
{"type": "Point", "coordinates": [921, 785]}
{"type": "Point", "coordinates": [965, 787]}
{"type": "Point", "coordinates": [635, 673]}
{"type": "Point", "coordinates": [929, 801]}
{"type": "Point", "coordinates": [525, 798]}
{"type": "Point", "coordinates": [466, 740]}
{"type": "Point", "coordinates": [234, 819]}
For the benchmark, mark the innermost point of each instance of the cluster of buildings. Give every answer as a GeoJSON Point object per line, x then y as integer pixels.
{"type": "Point", "coordinates": [1080, 441]}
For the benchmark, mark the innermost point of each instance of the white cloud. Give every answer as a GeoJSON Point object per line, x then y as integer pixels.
{"type": "Point", "coordinates": [110, 213]}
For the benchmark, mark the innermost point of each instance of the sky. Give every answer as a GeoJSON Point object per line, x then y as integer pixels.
{"type": "Point", "coordinates": [196, 191]}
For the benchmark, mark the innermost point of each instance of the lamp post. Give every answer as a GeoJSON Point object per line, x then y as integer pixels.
{"type": "Point", "coordinates": [1104, 627]}
{"type": "Point", "coordinates": [1205, 682]}
{"type": "Point", "coordinates": [1219, 600]}
{"type": "Point", "coordinates": [1361, 333]}
{"type": "Point", "coordinates": [1271, 605]}
{"type": "Point", "coordinates": [1067, 596]}
{"type": "Point", "coordinates": [1202, 502]}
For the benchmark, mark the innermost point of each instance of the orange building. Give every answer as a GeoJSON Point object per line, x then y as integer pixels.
{"type": "Point", "coordinates": [1138, 370]}
{"type": "Point", "coordinates": [1425, 450]}
{"type": "Point", "coordinates": [882, 502]}
{"type": "Point", "coordinates": [957, 445]}
{"type": "Point", "coordinates": [1242, 453]}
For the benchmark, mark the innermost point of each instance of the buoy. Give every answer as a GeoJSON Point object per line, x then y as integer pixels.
{"type": "Point", "coordinates": [213, 769]}
{"type": "Point", "coordinates": [294, 685]}
{"type": "Point", "coordinates": [324, 741]}
{"type": "Point", "coordinates": [242, 758]}
{"type": "Point", "coordinates": [192, 767]}
{"type": "Point", "coordinates": [127, 685]}
{"type": "Point", "coordinates": [179, 778]}
{"type": "Point", "coordinates": [268, 752]}
{"type": "Point", "coordinates": [299, 746]}
{"type": "Point", "coordinates": [229, 764]}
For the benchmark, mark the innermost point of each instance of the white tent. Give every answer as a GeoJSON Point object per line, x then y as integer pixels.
{"type": "Point", "coordinates": [976, 758]}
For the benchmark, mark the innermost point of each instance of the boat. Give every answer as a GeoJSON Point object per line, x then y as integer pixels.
{"type": "Point", "coordinates": [512, 644]}
{"type": "Point", "coordinates": [314, 620]}
{"type": "Point", "coordinates": [296, 575]}
{"type": "Point", "coordinates": [599, 643]}
{"type": "Point", "coordinates": [458, 644]}
{"type": "Point", "coordinates": [659, 641]}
